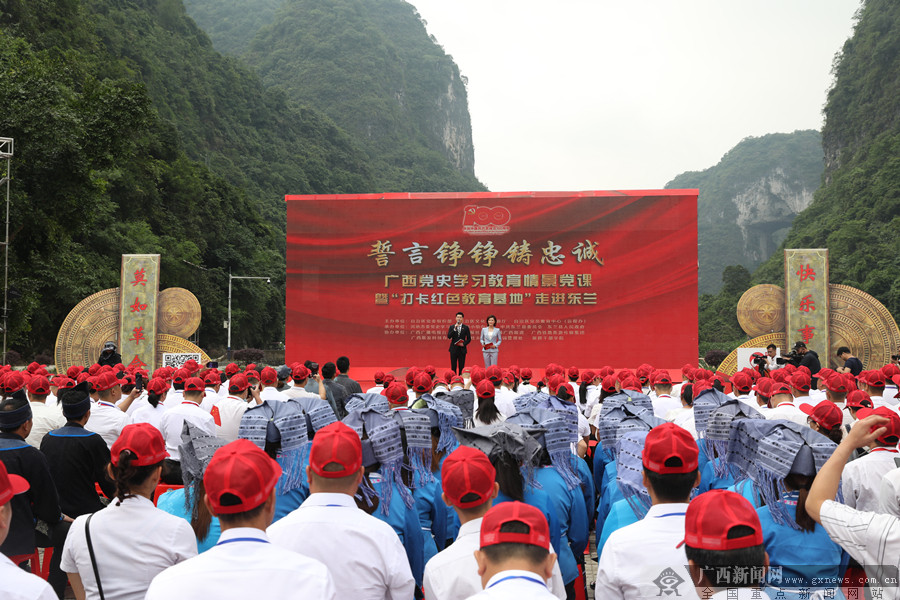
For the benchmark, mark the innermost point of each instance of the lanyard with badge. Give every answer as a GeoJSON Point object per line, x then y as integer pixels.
{"type": "Point", "coordinates": [525, 577]}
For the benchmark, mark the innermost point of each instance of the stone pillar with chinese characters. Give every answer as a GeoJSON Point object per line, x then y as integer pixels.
{"type": "Point", "coordinates": [806, 299]}
{"type": "Point", "coordinates": [138, 295]}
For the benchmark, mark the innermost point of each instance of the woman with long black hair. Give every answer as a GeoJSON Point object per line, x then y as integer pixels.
{"type": "Point", "coordinates": [116, 552]}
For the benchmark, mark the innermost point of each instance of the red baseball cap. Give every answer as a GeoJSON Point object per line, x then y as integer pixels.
{"type": "Point", "coordinates": [251, 374]}
{"type": "Point", "coordinates": [300, 372]}
{"type": "Point", "coordinates": [609, 384]}
{"type": "Point", "coordinates": [411, 375]}
{"type": "Point", "coordinates": [74, 371]}
{"type": "Point", "coordinates": [507, 512]}
{"type": "Point", "coordinates": [238, 383]}
{"type": "Point", "coordinates": [837, 383]}
{"type": "Point", "coordinates": [456, 379]}
{"type": "Point", "coordinates": [661, 378]}
{"type": "Point", "coordinates": [509, 378]}
{"type": "Point", "coordinates": [893, 424]}
{"type": "Point", "coordinates": [396, 393]}
{"type": "Point", "coordinates": [250, 367]}
{"type": "Point", "coordinates": [741, 381]}
{"type": "Point", "coordinates": [890, 371]}
{"type": "Point", "coordinates": [11, 485]}
{"type": "Point", "coordinates": [494, 374]}
{"type": "Point", "coordinates": [858, 399]}
{"type": "Point", "coordinates": [568, 387]}
{"type": "Point", "coordinates": [212, 378]}
{"type": "Point", "coordinates": [39, 386]}
{"type": "Point", "coordinates": [780, 388]}
{"type": "Point", "coordinates": [525, 373]}
{"type": "Point", "coordinates": [144, 441]}
{"type": "Point", "coordinates": [484, 389]}
{"type": "Point", "coordinates": [476, 375]}
{"type": "Point", "coordinates": [875, 378]}
{"type": "Point", "coordinates": [588, 376]}
{"type": "Point", "coordinates": [63, 382]}
{"type": "Point", "coordinates": [466, 471]}
{"type": "Point", "coordinates": [825, 413]}
{"type": "Point", "coordinates": [422, 382]}
{"type": "Point", "coordinates": [336, 444]}
{"type": "Point", "coordinates": [379, 377]}
{"type": "Point", "coordinates": [825, 373]}
{"type": "Point", "coordinates": [667, 442]}
{"type": "Point", "coordinates": [106, 381]}
{"type": "Point", "coordinates": [194, 384]}
{"type": "Point", "coordinates": [388, 379]}
{"type": "Point", "coordinates": [572, 372]}
{"type": "Point", "coordinates": [158, 386]}
{"type": "Point", "coordinates": [231, 369]}
{"type": "Point", "coordinates": [631, 383]}
{"type": "Point", "coordinates": [430, 370]}
{"type": "Point", "coordinates": [242, 471]}
{"type": "Point", "coordinates": [710, 516]}
{"type": "Point", "coordinates": [763, 386]}
{"type": "Point", "coordinates": [181, 375]}
{"type": "Point", "coordinates": [268, 376]}
{"type": "Point", "coordinates": [191, 365]}
{"type": "Point", "coordinates": [800, 381]}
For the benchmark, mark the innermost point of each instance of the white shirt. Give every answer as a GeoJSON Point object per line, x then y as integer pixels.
{"type": "Point", "coordinates": [231, 410]}
{"type": "Point", "coordinates": [504, 400]}
{"type": "Point", "coordinates": [299, 392]}
{"type": "Point", "coordinates": [364, 555]}
{"type": "Point", "coordinates": [210, 399]}
{"type": "Point", "coordinates": [870, 538]}
{"type": "Point", "coordinates": [375, 389]}
{"type": "Point", "coordinates": [44, 418]}
{"type": "Point", "coordinates": [133, 543]}
{"type": "Point", "coordinates": [16, 584]}
{"type": "Point", "coordinates": [514, 585]}
{"type": "Point", "coordinates": [243, 565]}
{"type": "Point", "coordinates": [787, 410]}
{"type": "Point", "coordinates": [861, 479]}
{"type": "Point", "coordinates": [584, 428]}
{"type": "Point", "coordinates": [106, 420]}
{"type": "Point", "coordinates": [664, 403]}
{"type": "Point", "coordinates": [173, 421]}
{"type": "Point", "coordinates": [149, 414]}
{"type": "Point", "coordinates": [636, 555]}
{"type": "Point", "coordinates": [889, 494]}
{"type": "Point", "coordinates": [141, 400]}
{"type": "Point", "coordinates": [525, 388]}
{"type": "Point", "coordinates": [270, 393]}
{"type": "Point", "coordinates": [452, 574]}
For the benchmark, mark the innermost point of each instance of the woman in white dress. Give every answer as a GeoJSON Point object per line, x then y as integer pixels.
{"type": "Point", "coordinates": [490, 341]}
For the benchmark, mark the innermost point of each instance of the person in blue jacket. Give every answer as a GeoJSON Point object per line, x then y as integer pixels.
{"type": "Point", "coordinates": [783, 466]}
{"type": "Point", "coordinates": [197, 449]}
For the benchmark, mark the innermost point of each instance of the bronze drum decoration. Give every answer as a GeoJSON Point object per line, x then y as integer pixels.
{"type": "Point", "coordinates": [761, 310]}
{"type": "Point", "coordinates": [179, 313]}
{"type": "Point", "coordinates": [93, 322]}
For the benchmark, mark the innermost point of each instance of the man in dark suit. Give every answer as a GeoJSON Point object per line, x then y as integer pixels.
{"type": "Point", "coordinates": [460, 337]}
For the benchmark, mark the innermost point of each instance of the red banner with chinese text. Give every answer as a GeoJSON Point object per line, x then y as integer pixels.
{"type": "Point", "coordinates": [578, 278]}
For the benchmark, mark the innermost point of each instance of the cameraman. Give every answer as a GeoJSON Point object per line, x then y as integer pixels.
{"type": "Point", "coordinates": [801, 356]}
{"type": "Point", "coordinates": [771, 357]}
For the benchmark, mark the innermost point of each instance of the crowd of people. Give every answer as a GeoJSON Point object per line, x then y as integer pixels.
{"type": "Point", "coordinates": [195, 482]}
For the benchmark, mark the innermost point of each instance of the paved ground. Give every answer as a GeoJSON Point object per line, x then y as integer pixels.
{"type": "Point", "coordinates": [590, 568]}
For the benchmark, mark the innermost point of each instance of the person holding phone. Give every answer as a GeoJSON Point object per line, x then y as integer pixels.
{"type": "Point", "coordinates": [490, 341]}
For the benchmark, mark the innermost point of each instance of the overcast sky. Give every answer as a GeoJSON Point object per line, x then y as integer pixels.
{"type": "Point", "coordinates": [596, 94]}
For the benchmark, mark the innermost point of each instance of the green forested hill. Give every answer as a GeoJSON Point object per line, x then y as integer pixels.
{"type": "Point", "coordinates": [371, 66]}
{"type": "Point", "coordinates": [856, 213]}
{"type": "Point", "coordinates": [749, 199]}
{"type": "Point", "coordinates": [133, 135]}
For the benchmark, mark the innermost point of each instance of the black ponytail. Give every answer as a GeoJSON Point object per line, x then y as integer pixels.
{"type": "Point", "coordinates": [128, 476]}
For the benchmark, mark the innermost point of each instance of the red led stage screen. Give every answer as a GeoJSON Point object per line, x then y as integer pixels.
{"type": "Point", "coordinates": [577, 278]}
